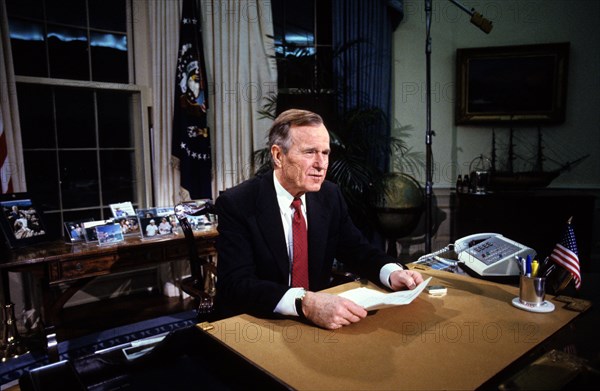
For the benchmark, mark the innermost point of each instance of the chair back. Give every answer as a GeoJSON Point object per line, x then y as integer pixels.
{"type": "Point", "coordinates": [192, 208]}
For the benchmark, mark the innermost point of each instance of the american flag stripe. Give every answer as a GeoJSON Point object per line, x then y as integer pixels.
{"type": "Point", "coordinates": [569, 260]}
{"type": "Point", "coordinates": [565, 256]}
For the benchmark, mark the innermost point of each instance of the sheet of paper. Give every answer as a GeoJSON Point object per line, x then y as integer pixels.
{"type": "Point", "coordinates": [371, 299]}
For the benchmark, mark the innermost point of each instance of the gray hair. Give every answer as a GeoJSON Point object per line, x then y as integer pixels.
{"type": "Point", "coordinates": [279, 134]}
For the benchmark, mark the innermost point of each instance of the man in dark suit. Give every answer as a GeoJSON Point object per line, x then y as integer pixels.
{"type": "Point", "coordinates": [256, 268]}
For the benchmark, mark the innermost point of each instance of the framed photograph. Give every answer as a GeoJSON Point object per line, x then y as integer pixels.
{"type": "Point", "coordinates": [129, 225]}
{"type": "Point", "coordinates": [75, 230]}
{"type": "Point", "coordinates": [109, 234]}
{"type": "Point", "coordinates": [122, 209]}
{"type": "Point", "coordinates": [165, 211]}
{"type": "Point", "coordinates": [523, 84]}
{"type": "Point", "coordinates": [89, 229]}
{"type": "Point", "coordinates": [153, 227]}
{"type": "Point", "coordinates": [146, 213]}
{"type": "Point", "coordinates": [21, 222]}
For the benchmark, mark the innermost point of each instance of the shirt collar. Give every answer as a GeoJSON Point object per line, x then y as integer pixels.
{"type": "Point", "coordinates": [284, 198]}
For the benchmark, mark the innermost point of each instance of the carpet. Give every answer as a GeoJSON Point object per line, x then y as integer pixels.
{"type": "Point", "coordinates": [14, 368]}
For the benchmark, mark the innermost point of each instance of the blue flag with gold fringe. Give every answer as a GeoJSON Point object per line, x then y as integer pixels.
{"type": "Point", "coordinates": [191, 136]}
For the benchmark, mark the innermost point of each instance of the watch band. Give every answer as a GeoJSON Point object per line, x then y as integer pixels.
{"type": "Point", "coordinates": [298, 303]}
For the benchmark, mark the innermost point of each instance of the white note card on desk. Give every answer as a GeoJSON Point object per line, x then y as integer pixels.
{"type": "Point", "coordinates": [371, 299]}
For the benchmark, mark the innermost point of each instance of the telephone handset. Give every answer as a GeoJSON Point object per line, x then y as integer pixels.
{"type": "Point", "coordinates": [487, 254]}
{"type": "Point", "coordinates": [491, 254]}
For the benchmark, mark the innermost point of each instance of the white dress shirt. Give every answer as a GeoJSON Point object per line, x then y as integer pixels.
{"type": "Point", "coordinates": [286, 305]}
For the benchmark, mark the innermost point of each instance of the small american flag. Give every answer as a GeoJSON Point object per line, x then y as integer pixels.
{"type": "Point", "coordinates": [565, 254]}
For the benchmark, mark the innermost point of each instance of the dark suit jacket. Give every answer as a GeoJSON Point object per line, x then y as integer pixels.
{"type": "Point", "coordinates": [253, 265]}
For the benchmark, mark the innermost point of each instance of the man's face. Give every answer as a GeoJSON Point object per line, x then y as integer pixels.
{"type": "Point", "coordinates": [304, 167]}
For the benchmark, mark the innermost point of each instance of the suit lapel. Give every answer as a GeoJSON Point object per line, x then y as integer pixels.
{"type": "Point", "coordinates": [317, 232]}
{"type": "Point", "coordinates": [269, 223]}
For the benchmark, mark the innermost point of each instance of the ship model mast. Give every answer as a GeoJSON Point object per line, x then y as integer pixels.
{"type": "Point", "coordinates": [536, 178]}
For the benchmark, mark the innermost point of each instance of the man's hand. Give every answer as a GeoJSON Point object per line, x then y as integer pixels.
{"type": "Point", "coordinates": [405, 279]}
{"type": "Point", "coordinates": [331, 311]}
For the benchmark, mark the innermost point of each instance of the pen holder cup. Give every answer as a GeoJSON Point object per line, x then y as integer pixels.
{"type": "Point", "coordinates": [532, 290]}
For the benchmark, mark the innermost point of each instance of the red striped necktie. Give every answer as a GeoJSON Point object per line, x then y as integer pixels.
{"type": "Point", "coordinates": [300, 256]}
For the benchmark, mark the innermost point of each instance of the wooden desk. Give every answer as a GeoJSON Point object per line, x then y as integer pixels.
{"type": "Point", "coordinates": [57, 262]}
{"type": "Point", "coordinates": [458, 341]}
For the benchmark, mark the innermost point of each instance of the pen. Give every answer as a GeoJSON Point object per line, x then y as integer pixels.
{"type": "Point", "coordinates": [519, 262]}
{"type": "Point", "coordinates": [543, 266]}
{"type": "Point", "coordinates": [549, 270]}
{"type": "Point", "coordinates": [528, 266]}
{"type": "Point", "coordinates": [534, 268]}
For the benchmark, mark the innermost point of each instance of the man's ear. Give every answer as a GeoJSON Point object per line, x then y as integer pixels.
{"type": "Point", "coordinates": [277, 154]}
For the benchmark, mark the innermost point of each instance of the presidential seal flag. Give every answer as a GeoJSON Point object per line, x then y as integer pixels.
{"type": "Point", "coordinates": [191, 136]}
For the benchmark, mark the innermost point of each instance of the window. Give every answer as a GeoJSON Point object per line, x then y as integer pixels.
{"type": "Point", "coordinates": [303, 49]}
{"type": "Point", "coordinates": [80, 116]}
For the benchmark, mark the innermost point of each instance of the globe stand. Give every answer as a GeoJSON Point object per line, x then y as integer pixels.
{"type": "Point", "coordinates": [400, 209]}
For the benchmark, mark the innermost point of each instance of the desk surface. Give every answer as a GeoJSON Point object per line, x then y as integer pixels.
{"type": "Point", "coordinates": [457, 341]}
{"type": "Point", "coordinates": [59, 250]}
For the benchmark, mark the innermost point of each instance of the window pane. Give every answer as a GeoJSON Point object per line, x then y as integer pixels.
{"type": "Point", "coordinates": [53, 224]}
{"type": "Point", "coordinates": [75, 118]}
{"type": "Point", "coordinates": [293, 22]}
{"type": "Point", "coordinates": [25, 8]}
{"type": "Point", "coordinates": [298, 70]}
{"type": "Point", "coordinates": [42, 178]}
{"type": "Point", "coordinates": [108, 14]}
{"type": "Point", "coordinates": [28, 48]}
{"type": "Point", "coordinates": [66, 11]}
{"type": "Point", "coordinates": [109, 57]}
{"type": "Point", "coordinates": [114, 125]}
{"type": "Point", "coordinates": [68, 53]}
{"type": "Point", "coordinates": [35, 106]}
{"type": "Point", "coordinates": [324, 25]}
{"type": "Point", "coordinates": [118, 168]}
{"type": "Point", "coordinates": [79, 179]}
{"type": "Point", "coordinates": [325, 68]}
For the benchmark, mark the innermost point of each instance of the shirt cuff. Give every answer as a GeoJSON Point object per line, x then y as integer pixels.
{"type": "Point", "coordinates": [386, 271]}
{"type": "Point", "coordinates": [287, 304]}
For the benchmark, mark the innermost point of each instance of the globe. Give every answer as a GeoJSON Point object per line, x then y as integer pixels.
{"type": "Point", "coordinates": [400, 207]}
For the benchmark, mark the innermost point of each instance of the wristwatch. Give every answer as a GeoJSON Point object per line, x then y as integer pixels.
{"type": "Point", "coordinates": [298, 303]}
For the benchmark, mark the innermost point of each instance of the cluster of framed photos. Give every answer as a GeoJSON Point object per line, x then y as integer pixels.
{"type": "Point", "coordinates": [23, 225]}
{"type": "Point", "coordinates": [126, 221]}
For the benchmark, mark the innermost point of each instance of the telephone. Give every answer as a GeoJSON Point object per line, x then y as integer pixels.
{"type": "Point", "coordinates": [487, 254]}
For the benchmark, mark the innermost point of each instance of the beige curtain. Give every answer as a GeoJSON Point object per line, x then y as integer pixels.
{"type": "Point", "coordinates": [240, 63]}
{"type": "Point", "coordinates": [163, 27]}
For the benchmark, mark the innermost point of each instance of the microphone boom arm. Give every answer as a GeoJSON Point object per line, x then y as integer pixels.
{"type": "Point", "coordinates": [476, 18]}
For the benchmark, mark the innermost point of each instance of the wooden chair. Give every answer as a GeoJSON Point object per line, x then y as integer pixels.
{"type": "Point", "coordinates": [201, 285]}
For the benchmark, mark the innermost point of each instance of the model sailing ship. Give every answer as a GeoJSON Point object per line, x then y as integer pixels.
{"type": "Point", "coordinates": [537, 177]}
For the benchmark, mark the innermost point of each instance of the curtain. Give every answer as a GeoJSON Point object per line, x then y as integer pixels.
{"type": "Point", "coordinates": [240, 62]}
{"type": "Point", "coordinates": [163, 26]}
{"type": "Point", "coordinates": [362, 35]}
{"type": "Point", "coordinates": [11, 154]}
